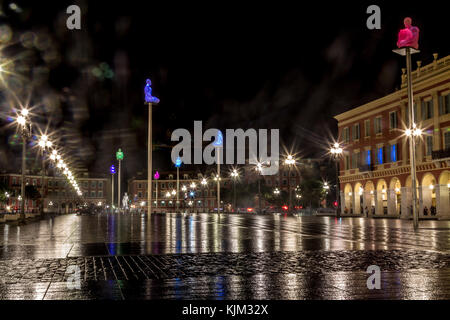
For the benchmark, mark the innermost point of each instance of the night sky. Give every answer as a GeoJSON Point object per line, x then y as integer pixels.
{"type": "Point", "coordinates": [233, 66]}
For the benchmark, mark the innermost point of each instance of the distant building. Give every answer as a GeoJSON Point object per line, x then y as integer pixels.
{"type": "Point", "coordinates": [202, 198]}
{"type": "Point", "coordinates": [375, 167]}
{"type": "Point", "coordinates": [59, 195]}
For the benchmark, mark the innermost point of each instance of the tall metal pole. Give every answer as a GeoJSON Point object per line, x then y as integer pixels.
{"type": "Point", "coordinates": [22, 187]}
{"type": "Point", "coordinates": [149, 158]}
{"type": "Point", "coordinates": [289, 189]}
{"type": "Point", "coordinates": [234, 194]}
{"type": "Point", "coordinates": [412, 142]}
{"type": "Point", "coordinates": [259, 193]}
{"type": "Point", "coordinates": [118, 186]}
{"type": "Point", "coordinates": [112, 192]}
{"type": "Point", "coordinates": [338, 202]}
{"type": "Point", "coordinates": [156, 198]}
{"type": "Point", "coordinates": [178, 188]}
{"type": "Point", "coordinates": [218, 180]}
{"type": "Point", "coordinates": [43, 182]}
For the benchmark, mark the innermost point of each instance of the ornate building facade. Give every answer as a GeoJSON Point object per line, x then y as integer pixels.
{"type": "Point", "coordinates": [375, 166]}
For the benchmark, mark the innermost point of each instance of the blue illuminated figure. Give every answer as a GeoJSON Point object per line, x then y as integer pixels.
{"type": "Point", "coordinates": [219, 139]}
{"type": "Point", "coordinates": [178, 162]}
{"type": "Point", "coordinates": [112, 169]}
{"type": "Point", "coordinates": [148, 93]}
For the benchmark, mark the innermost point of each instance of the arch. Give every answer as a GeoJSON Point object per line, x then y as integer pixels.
{"type": "Point", "coordinates": [348, 196]}
{"type": "Point", "coordinates": [381, 198]}
{"type": "Point", "coordinates": [444, 178]}
{"type": "Point", "coordinates": [428, 180]}
{"type": "Point", "coordinates": [359, 195]}
{"type": "Point", "coordinates": [395, 195]}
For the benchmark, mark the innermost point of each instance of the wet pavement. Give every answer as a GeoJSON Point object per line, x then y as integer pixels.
{"type": "Point", "coordinates": [204, 256]}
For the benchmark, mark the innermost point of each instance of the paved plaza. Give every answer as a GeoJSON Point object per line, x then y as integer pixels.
{"type": "Point", "coordinates": [204, 256]}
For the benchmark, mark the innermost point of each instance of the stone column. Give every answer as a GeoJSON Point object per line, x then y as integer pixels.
{"type": "Point", "coordinates": [378, 202]}
{"type": "Point", "coordinates": [392, 202]}
{"type": "Point", "coordinates": [442, 201]}
{"type": "Point", "coordinates": [436, 131]}
{"type": "Point", "coordinates": [406, 202]}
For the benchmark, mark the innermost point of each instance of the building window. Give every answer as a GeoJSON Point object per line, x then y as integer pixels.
{"type": "Point", "coordinates": [380, 157]}
{"type": "Point", "coordinates": [139, 186]}
{"type": "Point", "coordinates": [444, 104]}
{"type": "Point", "coordinates": [92, 194]}
{"type": "Point", "coordinates": [356, 132]}
{"type": "Point", "coordinates": [347, 162]}
{"type": "Point", "coordinates": [50, 183]}
{"type": "Point", "coordinates": [393, 120]}
{"type": "Point", "coordinates": [346, 135]}
{"type": "Point", "coordinates": [427, 109]}
{"type": "Point", "coordinates": [368, 158]}
{"type": "Point", "coordinates": [100, 184]}
{"type": "Point", "coordinates": [139, 194]}
{"type": "Point", "coordinates": [355, 160]}
{"type": "Point", "coordinates": [394, 153]}
{"type": "Point", "coordinates": [14, 181]}
{"type": "Point", "coordinates": [367, 128]}
{"type": "Point", "coordinates": [85, 194]}
{"type": "Point", "coordinates": [93, 184]}
{"type": "Point", "coordinates": [429, 145]}
{"type": "Point", "coordinates": [100, 194]}
{"type": "Point", "coordinates": [85, 184]}
{"type": "Point", "coordinates": [378, 125]}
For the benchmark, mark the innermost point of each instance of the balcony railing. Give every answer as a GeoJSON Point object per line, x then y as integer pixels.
{"type": "Point", "coordinates": [440, 154]}
{"type": "Point", "coordinates": [366, 167]}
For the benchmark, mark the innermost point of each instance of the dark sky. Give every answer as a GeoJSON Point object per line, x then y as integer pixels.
{"type": "Point", "coordinates": [231, 65]}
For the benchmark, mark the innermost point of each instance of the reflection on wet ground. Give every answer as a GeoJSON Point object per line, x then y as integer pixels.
{"type": "Point", "coordinates": [204, 256]}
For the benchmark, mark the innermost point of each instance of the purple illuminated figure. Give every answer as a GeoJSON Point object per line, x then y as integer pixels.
{"type": "Point", "coordinates": [408, 37]}
{"type": "Point", "coordinates": [148, 93]}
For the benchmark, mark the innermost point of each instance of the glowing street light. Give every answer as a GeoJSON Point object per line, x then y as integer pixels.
{"type": "Point", "coordinates": [289, 161]}
{"type": "Point", "coordinates": [276, 191]}
{"type": "Point", "coordinates": [234, 175]}
{"type": "Point", "coordinates": [337, 152]}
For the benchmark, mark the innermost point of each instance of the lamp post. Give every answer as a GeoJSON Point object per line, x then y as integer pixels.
{"type": "Point", "coordinates": [258, 169]}
{"type": "Point", "coordinates": [44, 143]}
{"type": "Point", "coordinates": [408, 44]}
{"type": "Point", "coordinates": [289, 161]}
{"type": "Point", "coordinates": [119, 157]}
{"type": "Point", "coordinates": [150, 100]}
{"type": "Point", "coordinates": [336, 151]}
{"type": "Point", "coordinates": [326, 187]}
{"type": "Point", "coordinates": [178, 165]}
{"type": "Point", "coordinates": [234, 175]}
{"type": "Point", "coordinates": [218, 143]}
{"type": "Point", "coordinates": [204, 183]}
{"type": "Point", "coordinates": [112, 170]}
{"type": "Point", "coordinates": [26, 134]}
{"type": "Point", "coordinates": [156, 177]}
{"type": "Point", "coordinates": [184, 189]}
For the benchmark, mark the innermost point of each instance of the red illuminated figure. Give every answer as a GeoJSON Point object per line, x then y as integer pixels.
{"type": "Point", "coordinates": [408, 37]}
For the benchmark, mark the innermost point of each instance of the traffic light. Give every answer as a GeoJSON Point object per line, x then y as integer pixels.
{"type": "Point", "coordinates": [335, 204]}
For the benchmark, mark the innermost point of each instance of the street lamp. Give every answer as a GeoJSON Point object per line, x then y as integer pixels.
{"type": "Point", "coordinates": [413, 133]}
{"type": "Point", "coordinates": [150, 100]}
{"type": "Point", "coordinates": [258, 169]}
{"type": "Point", "coordinates": [204, 184]}
{"type": "Point", "coordinates": [26, 134]}
{"type": "Point", "coordinates": [234, 176]}
{"type": "Point", "coordinates": [408, 44]}
{"type": "Point", "coordinates": [156, 177]}
{"type": "Point", "coordinates": [178, 163]}
{"type": "Point", "coordinates": [218, 143]}
{"type": "Point", "coordinates": [119, 157]}
{"type": "Point", "coordinates": [112, 170]}
{"type": "Point", "coordinates": [289, 161]}
{"type": "Point", "coordinates": [44, 143]}
{"type": "Point", "coordinates": [337, 151]}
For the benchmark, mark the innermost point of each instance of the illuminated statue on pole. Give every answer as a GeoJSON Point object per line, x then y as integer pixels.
{"type": "Point", "coordinates": [125, 201]}
{"type": "Point", "coordinates": [408, 37]}
{"type": "Point", "coordinates": [148, 93]}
